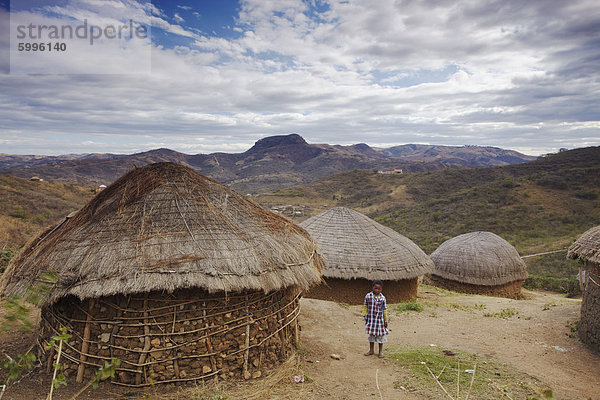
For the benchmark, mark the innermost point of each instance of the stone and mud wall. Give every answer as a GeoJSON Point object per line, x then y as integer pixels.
{"type": "Point", "coordinates": [511, 290]}
{"type": "Point", "coordinates": [589, 324]}
{"type": "Point", "coordinates": [184, 336]}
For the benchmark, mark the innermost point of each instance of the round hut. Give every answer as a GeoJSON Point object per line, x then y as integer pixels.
{"type": "Point", "coordinates": [479, 263]}
{"type": "Point", "coordinates": [176, 275]}
{"type": "Point", "coordinates": [358, 250]}
{"type": "Point", "coordinates": [587, 248]}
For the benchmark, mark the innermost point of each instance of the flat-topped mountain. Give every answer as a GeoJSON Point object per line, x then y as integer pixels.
{"type": "Point", "coordinates": [272, 162]}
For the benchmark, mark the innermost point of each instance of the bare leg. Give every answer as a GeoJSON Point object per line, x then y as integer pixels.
{"type": "Point", "coordinates": [371, 348]}
{"type": "Point", "coordinates": [380, 355]}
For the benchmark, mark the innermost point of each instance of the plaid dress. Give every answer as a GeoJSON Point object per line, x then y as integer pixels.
{"type": "Point", "coordinates": [374, 324]}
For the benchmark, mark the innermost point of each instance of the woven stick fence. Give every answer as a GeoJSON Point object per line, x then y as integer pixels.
{"type": "Point", "coordinates": [189, 336]}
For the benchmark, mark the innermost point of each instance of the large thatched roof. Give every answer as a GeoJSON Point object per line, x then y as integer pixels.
{"type": "Point", "coordinates": [479, 258]}
{"type": "Point", "coordinates": [165, 227]}
{"type": "Point", "coordinates": [587, 246]}
{"type": "Point", "coordinates": [355, 246]}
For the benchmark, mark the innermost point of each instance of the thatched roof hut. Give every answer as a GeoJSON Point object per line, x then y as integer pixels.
{"type": "Point", "coordinates": [587, 248]}
{"type": "Point", "coordinates": [160, 238]}
{"type": "Point", "coordinates": [480, 263]}
{"type": "Point", "coordinates": [359, 250]}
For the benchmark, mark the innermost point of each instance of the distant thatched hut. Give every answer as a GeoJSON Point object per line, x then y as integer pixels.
{"type": "Point", "coordinates": [358, 250]}
{"type": "Point", "coordinates": [178, 276]}
{"type": "Point", "coordinates": [479, 263]}
{"type": "Point", "coordinates": [587, 247]}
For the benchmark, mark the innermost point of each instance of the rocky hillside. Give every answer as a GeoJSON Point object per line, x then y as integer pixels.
{"type": "Point", "coordinates": [273, 162]}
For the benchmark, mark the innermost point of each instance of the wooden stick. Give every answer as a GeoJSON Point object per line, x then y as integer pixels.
{"type": "Point", "coordinates": [472, 379]}
{"type": "Point", "coordinates": [144, 353]}
{"type": "Point", "coordinates": [296, 326]}
{"type": "Point", "coordinates": [458, 379]}
{"type": "Point", "coordinates": [442, 371]}
{"type": "Point", "coordinates": [55, 369]}
{"type": "Point", "coordinates": [245, 372]}
{"type": "Point", "coordinates": [377, 384]}
{"type": "Point", "coordinates": [85, 344]}
{"type": "Point", "coordinates": [438, 382]}
{"type": "Point", "coordinates": [281, 334]}
{"type": "Point", "coordinates": [209, 346]}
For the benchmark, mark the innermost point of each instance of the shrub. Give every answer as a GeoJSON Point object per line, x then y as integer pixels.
{"type": "Point", "coordinates": [410, 305]}
{"type": "Point", "coordinates": [18, 212]}
{"type": "Point", "coordinates": [586, 194]}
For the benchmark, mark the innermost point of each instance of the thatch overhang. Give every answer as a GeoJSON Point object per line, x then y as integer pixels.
{"type": "Point", "coordinates": [479, 258]}
{"type": "Point", "coordinates": [166, 227]}
{"type": "Point", "coordinates": [587, 246]}
{"type": "Point", "coordinates": [355, 246]}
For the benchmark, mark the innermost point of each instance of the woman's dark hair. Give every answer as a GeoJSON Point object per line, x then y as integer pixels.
{"type": "Point", "coordinates": [377, 282]}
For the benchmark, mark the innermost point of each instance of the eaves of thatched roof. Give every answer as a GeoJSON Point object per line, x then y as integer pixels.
{"type": "Point", "coordinates": [479, 258]}
{"type": "Point", "coordinates": [166, 227]}
{"type": "Point", "coordinates": [355, 246]}
{"type": "Point", "coordinates": [587, 246]}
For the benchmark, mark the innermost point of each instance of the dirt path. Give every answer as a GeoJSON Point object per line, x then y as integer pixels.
{"type": "Point", "coordinates": [535, 341]}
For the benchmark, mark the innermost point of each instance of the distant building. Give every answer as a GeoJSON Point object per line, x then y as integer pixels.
{"type": "Point", "coordinates": [390, 171]}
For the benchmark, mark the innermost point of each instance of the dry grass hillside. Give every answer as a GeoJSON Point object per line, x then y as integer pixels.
{"type": "Point", "coordinates": [27, 206]}
{"type": "Point", "coordinates": [539, 206]}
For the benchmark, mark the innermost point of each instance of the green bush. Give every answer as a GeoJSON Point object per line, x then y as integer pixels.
{"type": "Point", "coordinates": [570, 286]}
{"type": "Point", "coordinates": [18, 212]}
{"type": "Point", "coordinates": [5, 256]}
{"type": "Point", "coordinates": [410, 305]}
{"type": "Point", "coordinates": [586, 194]}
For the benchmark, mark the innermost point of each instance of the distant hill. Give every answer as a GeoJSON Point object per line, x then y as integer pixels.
{"type": "Point", "coordinates": [473, 156]}
{"type": "Point", "coordinates": [272, 162]}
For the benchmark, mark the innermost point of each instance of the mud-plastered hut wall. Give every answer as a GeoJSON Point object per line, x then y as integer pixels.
{"type": "Point", "coordinates": [178, 276]}
{"type": "Point", "coordinates": [359, 250]}
{"type": "Point", "coordinates": [587, 248]}
{"type": "Point", "coordinates": [353, 291]}
{"type": "Point", "coordinates": [479, 263]}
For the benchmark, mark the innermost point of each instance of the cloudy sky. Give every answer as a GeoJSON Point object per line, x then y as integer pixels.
{"type": "Point", "coordinates": [218, 75]}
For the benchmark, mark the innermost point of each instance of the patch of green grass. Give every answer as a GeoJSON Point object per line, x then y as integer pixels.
{"type": "Point", "coordinates": [492, 380]}
{"type": "Point", "coordinates": [5, 256]}
{"type": "Point", "coordinates": [410, 305]}
{"type": "Point", "coordinates": [505, 313]}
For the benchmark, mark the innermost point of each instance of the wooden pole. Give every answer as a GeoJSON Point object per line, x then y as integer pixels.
{"type": "Point", "coordinates": [85, 345]}
{"type": "Point", "coordinates": [247, 352]}
{"type": "Point", "coordinates": [296, 325]}
{"type": "Point", "coordinates": [142, 359]}
{"type": "Point", "coordinates": [209, 346]}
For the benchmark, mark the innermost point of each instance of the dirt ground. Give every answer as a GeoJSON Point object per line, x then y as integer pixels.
{"type": "Point", "coordinates": [536, 341]}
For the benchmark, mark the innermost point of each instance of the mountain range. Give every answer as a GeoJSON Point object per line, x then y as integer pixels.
{"type": "Point", "coordinates": [273, 162]}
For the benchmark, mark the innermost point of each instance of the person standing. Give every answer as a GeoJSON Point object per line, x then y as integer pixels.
{"type": "Point", "coordinates": [376, 319]}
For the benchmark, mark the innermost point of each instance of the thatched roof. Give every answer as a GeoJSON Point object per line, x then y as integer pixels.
{"type": "Point", "coordinates": [479, 258]}
{"type": "Point", "coordinates": [587, 246]}
{"type": "Point", "coordinates": [165, 227]}
{"type": "Point", "coordinates": [355, 247]}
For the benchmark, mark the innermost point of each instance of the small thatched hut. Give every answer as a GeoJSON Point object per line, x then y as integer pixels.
{"type": "Point", "coordinates": [587, 247]}
{"type": "Point", "coordinates": [178, 276]}
{"type": "Point", "coordinates": [479, 263]}
{"type": "Point", "coordinates": [358, 250]}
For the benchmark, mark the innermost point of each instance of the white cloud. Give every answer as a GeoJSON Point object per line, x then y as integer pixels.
{"type": "Point", "coordinates": [178, 19]}
{"type": "Point", "coordinates": [503, 73]}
